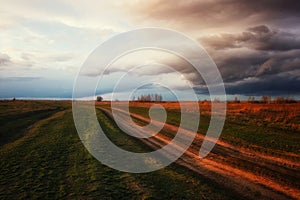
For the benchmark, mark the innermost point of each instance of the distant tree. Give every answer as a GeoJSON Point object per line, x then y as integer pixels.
{"type": "Point", "coordinates": [217, 100]}
{"type": "Point", "coordinates": [279, 100]}
{"type": "Point", "coordinates": [99, 98]}
{"type": "Point", "coordinates": [290, 100]}
{"type": "Point", "coordinates": [265, 99]}
{"type": "Point", "coordinates": [251, 99]}
{"type": "Point", "coordinates": [236, 100]}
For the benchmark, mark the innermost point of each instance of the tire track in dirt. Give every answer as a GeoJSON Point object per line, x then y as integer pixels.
{"type": "Point", "coordinates": [219, 167]}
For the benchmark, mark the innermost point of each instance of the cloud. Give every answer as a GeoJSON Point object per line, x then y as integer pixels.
{"type": "Point", "coordinates": [255, 44]}
{"type": "Point", "coordinates": [9, 63]}
{"type": "Point", "coordinates": [4, 59]}
{"type": "Point", "coordinates": [257, 60]}
{"type": "Point", "coordinates": [283, 62]}
{"type": "Point", "coordinates": [284, 83]}
{"type": "Point", "coordinates": [258, 38]}
{"type": "Point", "coordinates": [146, 62]}
{"type": "Point", "coordinates": [80, 14]}
{"type": "Point", "coordinates": [239, 64]}
{"type": "Point", "coordinates": [6, 79]}
{"type": "Point", "coordinates": [204, 14]}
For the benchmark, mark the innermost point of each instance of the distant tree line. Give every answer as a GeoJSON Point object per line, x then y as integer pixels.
{"type": "Point", "coordinates": [262, 99]}
{"type": "Point", "coordinates": [285, 100]}
{"type": "Point", "coordinates": [158, 98]}
{"type": "Point", "coordinates": [148, 97]}
{"type": "Point", "coordinates": [268, 99]}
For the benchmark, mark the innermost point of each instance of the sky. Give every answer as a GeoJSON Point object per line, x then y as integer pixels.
{"type": "Point", "coordinates": [255, 45]}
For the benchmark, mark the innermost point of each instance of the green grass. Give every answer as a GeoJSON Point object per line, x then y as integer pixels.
{"type": "Point", "coordinates": [174, 117]}
{"type": "Point", "coordinates": [49, 162]}
{"type": "Point", "coordinates": [239, 131]}
{"type": "Point", "coordinates": [13, 126]}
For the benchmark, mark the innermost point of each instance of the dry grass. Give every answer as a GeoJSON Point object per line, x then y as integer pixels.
{"type": "Point", "coordinates": [283, 115]}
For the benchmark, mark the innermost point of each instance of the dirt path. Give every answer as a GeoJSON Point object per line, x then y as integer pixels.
{"type": "Point", "coordinates": [249, 173]}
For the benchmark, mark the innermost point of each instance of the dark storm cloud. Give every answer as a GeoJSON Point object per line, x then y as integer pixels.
{"type": "Point", "coordinates": [260, 51]}
{"type": "Point", "coordinates": [219, 12]}
{"type": "Point", "coordinates": [254, 72]}
{"type": "Point", "coordinates": [240, 64]}
{"type": "Point", "coordinates": [282, 62]}
{"type": "Point", "coordinates": [261, 54]}
{"type": "Point", "coordinates": [237, 64]}
{"type": "Point", "coordinates": [274, 85]}
{"type": "Point", "coordinates": [258, 38]}
{"type": "Point", "coordinates": [285, 83]}
{"type": "Point", "coordinates": [268, 73]}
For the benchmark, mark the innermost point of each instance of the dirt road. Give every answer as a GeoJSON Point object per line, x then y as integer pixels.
{"type": "Point", "coordinates": [250, 173]}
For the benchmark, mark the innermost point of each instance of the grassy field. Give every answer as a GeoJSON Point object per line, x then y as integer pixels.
{"type": "Point", "coordinates": [271, 126]}
{"type": "Point", "coordinates": [42, 157]}
{"type": "Point", "coordinates": [257, 155]}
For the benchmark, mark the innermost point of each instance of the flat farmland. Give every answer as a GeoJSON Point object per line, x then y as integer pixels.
{"type": "Point", "coordinates": [256, 157]}
{"type": "Point", "coordinates": [257, 153]}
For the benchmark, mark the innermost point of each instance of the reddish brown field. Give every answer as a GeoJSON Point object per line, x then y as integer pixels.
{"type": "Point", "coordinates": [283, 114]}
{"type": "Point", "coordinates": [268, 169]}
